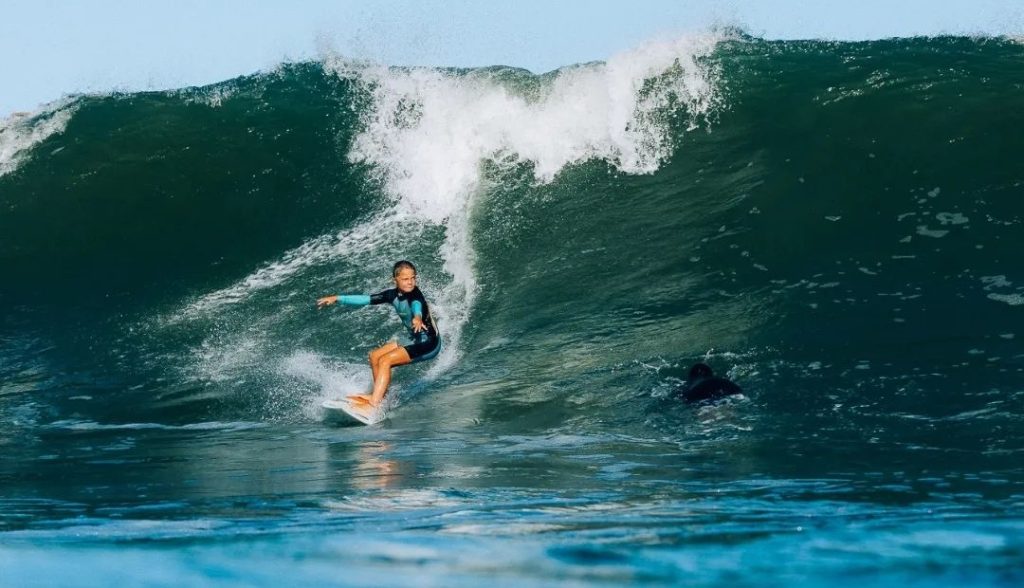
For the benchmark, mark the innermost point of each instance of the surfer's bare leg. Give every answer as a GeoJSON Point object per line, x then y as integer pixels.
{"type": "Point", "coordinates": [379, 352]}
{"type": "Point", "coordinates": [381, 360]}
{"type": "Point", "coordinates": [395, 357]}
{"type": "Point", "coordinates": [375, 356]}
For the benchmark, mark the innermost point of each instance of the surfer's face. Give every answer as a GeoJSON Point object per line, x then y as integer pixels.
{"type": "Point", "coordinates": [405, 280]}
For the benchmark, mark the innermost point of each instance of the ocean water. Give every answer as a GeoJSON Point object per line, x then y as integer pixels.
{"type": "Point", "coordinates": [836, 226]}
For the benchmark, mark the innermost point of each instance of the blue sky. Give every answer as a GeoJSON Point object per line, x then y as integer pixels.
{"type": "Point", "coordinates": [52, 47]}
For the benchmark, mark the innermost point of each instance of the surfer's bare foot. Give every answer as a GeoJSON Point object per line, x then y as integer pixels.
{"type": "Point", "coordinates": [361, 399]}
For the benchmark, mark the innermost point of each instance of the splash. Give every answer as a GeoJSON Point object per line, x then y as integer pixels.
{"type": "Point", "coordinates": [335, 381]}
{"type": "Point", "coordinates": [22, 131]}
{"type": "Point", "coordinates": [428, 129]}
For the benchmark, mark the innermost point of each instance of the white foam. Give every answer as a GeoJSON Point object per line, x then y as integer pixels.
{"type": "Point", "coordinates": [21, 131]}
{"type": "Point", "coordinates": [75, 425]}
{"type": "Point", "coordinates": [429, 130]}
{"type": "Point", "coordinates": [1011, 299]}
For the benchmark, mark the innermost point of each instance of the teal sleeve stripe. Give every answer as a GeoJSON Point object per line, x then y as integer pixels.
{"type": "Point", "coordinates": [354, 299]}
{"type": "Point", "coordinates": [417, 308]}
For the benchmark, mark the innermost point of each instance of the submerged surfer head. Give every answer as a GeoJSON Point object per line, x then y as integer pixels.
{"type": "Point", "coordinates": [700, 370]}
{"type": "Point", "coordinates": [702, 384]}
{"type": "Point", "coordinates": [404, 273]}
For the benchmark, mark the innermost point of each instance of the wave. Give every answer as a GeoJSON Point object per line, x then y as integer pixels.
{"type": "Point", "coordinates": [425, 133]}
{"type": "Point", "coordinates": [804, 215]}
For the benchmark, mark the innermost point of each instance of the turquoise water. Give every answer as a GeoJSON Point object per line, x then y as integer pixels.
{"type": "Point", "coordinates": [835, 226]}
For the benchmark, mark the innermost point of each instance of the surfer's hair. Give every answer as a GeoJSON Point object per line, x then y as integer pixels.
{"type": "Point", "coordinates": [400, 265]}
{"type": "Point", "coordinates": [701, 370]}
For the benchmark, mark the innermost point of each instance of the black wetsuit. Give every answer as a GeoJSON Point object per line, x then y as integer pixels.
{"type": "Point", "coordinates": [704, 385]}
{"type": "Point", "coordinates": [426, 344]}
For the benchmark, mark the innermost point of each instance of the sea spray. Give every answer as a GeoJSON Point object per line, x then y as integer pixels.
{"type": "Point", "coordinates": [22, 131]}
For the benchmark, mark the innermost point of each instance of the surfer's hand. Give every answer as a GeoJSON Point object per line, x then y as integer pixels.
{"type": "Point", "coordinates": [326, 301]}
{"type": "Point", "coordinates": [417, 325]}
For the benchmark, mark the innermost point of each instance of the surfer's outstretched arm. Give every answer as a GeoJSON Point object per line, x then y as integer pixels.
{"type": "Point", "coordinates": [355, 299]}
{"type": "Point", "coordinates": [346, 299]}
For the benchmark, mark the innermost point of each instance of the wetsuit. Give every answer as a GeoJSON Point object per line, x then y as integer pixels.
{"type": "Point", "coordinates": [427, 343]}
{"type": "Point", "coordinates": [702, 384]}
{"type": "Point", "coordinates": [709, 389]}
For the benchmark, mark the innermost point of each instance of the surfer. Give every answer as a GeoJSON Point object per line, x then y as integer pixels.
{"type": "Point", "coordinates": [414, 311]}
{"type": "Point", "coordinates": [702, 384]}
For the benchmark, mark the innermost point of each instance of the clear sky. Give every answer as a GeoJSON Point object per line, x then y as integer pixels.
{"type": "Point", "coordinates": [52, 47]}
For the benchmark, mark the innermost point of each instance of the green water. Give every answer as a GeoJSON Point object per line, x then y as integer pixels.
{"type": "Point", "coordinates": [834, 225]}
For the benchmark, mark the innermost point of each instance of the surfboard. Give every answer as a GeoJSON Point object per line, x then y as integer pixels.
{"type": "Point", "coordinates": [359, 413]}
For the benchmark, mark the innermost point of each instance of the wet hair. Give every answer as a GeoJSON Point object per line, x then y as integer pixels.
{"type": "Point", "coordinates": [400, 265]}
{"type": "Point", "coordinates": [700, 370]}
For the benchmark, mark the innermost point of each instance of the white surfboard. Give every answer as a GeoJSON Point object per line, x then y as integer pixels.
{"type": "Point", "coordinates": [362, 413]}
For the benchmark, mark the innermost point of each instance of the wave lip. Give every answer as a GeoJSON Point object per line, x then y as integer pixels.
{"type": "Point", "coordinates": [428, 130]}
{"type": "Point", "coordinates": [22, 131]}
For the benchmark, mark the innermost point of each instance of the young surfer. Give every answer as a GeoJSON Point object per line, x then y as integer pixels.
{"type": "Point", "coordinates": [414, 311]}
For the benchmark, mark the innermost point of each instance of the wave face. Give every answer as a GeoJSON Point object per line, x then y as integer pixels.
{"type": "Point", "coordinates": [194, 227]}
{"type": "Point", "coordinates": [837, 226]}
{"type": "Point", "coordinates": [839, 213]}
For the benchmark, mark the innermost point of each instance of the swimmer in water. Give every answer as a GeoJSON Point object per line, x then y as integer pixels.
{"type": "Point", "coordinates": [414, 311]}
{"type": "Point", "coordinates": [702, 384]}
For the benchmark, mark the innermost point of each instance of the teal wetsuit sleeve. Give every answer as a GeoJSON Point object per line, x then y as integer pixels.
{"type": "Point", "coordinates": [354, 299]}
{"type": "Point", "coordinates": [417, 308]}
